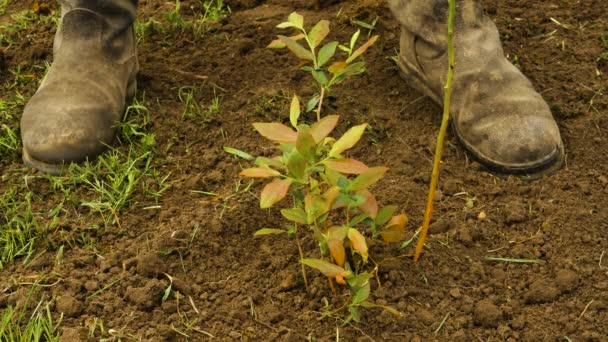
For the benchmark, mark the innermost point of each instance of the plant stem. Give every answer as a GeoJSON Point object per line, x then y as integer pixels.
{"type": "Point", "coordinates": [444, 125]}
{"type": "Point", "coordinates": [321, 96]}
{"type": "Point", "coordinates": [301, 257]}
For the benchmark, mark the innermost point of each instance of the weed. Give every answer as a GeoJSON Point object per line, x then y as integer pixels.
{"type": "Point", "coordinates": [211, 11]}
{"type": "Point", "coordinates": [9, 143]}
{"type": "Point", "coordinates": [16, 324]}
{"type": "Point", "coordinates": [19, 228]}
{"type": "Point", "coordinates": [193, 109]}
{"type": "Point", "coordinates": [330, 192]}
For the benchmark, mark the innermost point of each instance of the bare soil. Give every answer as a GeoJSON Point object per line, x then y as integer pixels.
{"type": "Point", "coordinates": [237, 287]}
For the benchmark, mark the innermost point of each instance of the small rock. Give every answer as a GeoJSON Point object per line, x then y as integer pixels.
{"type": "Point", "coordinates": [566, 280]}
{"type": "Point", "coordinates": [487, 314]}
{"type": "Point", "coordinates": [440, 226]}
{"type": "Point", "coordinates": [541, 291]}
{"type": "Point", "coordinates": [455, 293]}
{"type": "Point", "coordinates": [482, 216]}
{"type": "Point", "coordinates": [70, 335]}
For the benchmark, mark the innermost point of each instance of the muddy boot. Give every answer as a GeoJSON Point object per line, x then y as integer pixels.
{"type": "Point", "coordinates": [495, 111]}
{"type": "Point", "coordinates": [71, 117]}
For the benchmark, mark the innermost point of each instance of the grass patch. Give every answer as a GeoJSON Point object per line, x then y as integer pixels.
{"type": "Point", "coordinates": [17, 324]}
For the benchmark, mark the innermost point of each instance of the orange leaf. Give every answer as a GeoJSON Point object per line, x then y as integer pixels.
{"type": "Point", "coordinates": [358, 243]}
{"type": "Point", "coordinates": [335, 243]}
{"type": "Point", "coordinates": [328, 269]}
{"type": "Point", "coordinates": [274, 192]}
{"type": "Point", "coordinates": [276, 132]}
{"type": "Point", "coordinates": [347, 165]}
{"type": "Point", "coordinates": [370, 206]}
{"type": "Point", "coordinates": [319, 130]}
{"type": "Point", "coordinates": [362, 49]}
{"type": "Point", "coordinates": [323, 203]}
{"type": "Point", "coordinates": [394, 230]}
{"type": "Point", "coordinates": [258, 172]}
{"type": "Point", "coordinates": [337, 67]}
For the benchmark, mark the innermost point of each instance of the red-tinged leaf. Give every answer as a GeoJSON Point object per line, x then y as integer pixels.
{"type": "Point", "coordinates": [367, 179]}
{"type": "Point", "coordinates": [337, 67]}
{"type": "Point", "coordinates": [347, 165]}
{"type": "Point", "coordinates": [322, 204]}
{"type": "Point", "coordinates": [335, 243]}
{"type": "Point", "coordinates": [348, 140]}
{"type": "Point", "coordinates": [370, 206]}
{"type": "Point", "coordinates": [274, 192]}
{"type": "Point", "coordinates": [362, 49]}
{"type": "Point", "coordinates": [320, 129]}
{"type": "Point", "coordinates": [297, 49]}
{"type": "Point", "coordinates": [358, 243]}
{"type": "Point", "coordinates": [327, 268]}
{"type": "Point", "coordinates": [395, 229]}
{"type": "Point", "coordinates": [276, 132]}
{"type": "Point", "coordinates": [258, 172]}
{"type": "Point", "coordinates": [278, 44]}
{"type": "Point", "coordinates": [270, 231]}
{"type": "Point", "coordinates": [318, 32]}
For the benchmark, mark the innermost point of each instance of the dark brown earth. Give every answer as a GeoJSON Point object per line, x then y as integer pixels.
{"type": "Point", "coordinates": [237, 287]}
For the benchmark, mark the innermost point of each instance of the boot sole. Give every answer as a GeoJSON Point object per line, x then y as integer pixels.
{"type": "Point", "coordinates": [532, 171]}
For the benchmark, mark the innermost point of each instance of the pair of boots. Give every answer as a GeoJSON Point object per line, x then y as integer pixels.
{"type": "Point", "coordinates": [496, 113]}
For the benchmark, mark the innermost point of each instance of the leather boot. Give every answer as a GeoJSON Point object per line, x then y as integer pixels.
{"type": "Point", "coordinates": [495, 111]}
{"type": "Point", "coordinates": [72, 115]}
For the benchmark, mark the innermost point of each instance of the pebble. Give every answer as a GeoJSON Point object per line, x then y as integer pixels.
{"type": "Point", "coordinates": [566, 280]}
{"type": "Point", "coordinates": [487, 314]}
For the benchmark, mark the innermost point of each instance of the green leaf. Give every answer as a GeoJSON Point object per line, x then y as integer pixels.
{"type": "Point", "coordinates": [365, 180]}
{"type": "Point", "coordinates": [269, 162]}
{"type": "Point", "coordinates": [318, 33]}
{"type": "Point", "coordinates": [313, 102]}
{"type": "Point", "coordinates": [353, 39]}
{"type": "Point", "coordinates": [273, 192]}
{"type": "Point", "coordinates": [320, 77]}
{"type": "Point", "coordinates": [305, 144]}
{"type": "Point", "coordinates": [357, 241]}
{"type": "Point", "coordinates": [296, 19]}
{"type": "Point", "coordinates": [362, 49]}
{"type": "Point", "coordinates": [361, 295]}
{"type": "Point", "coordinates": [385, 214]}
{"type": "Point", "coordinates": [269, 231]}
{"type": "Point", "coordinates": [355, 313]}
{"type": "Point", "coordinates": [238, 153]}
{"type": "Point", "coordinates": [296, 165]}
{"type": "Point", "coordinates": [295, 214]}
{"type": "Point", "coordinates": [321, 129]}
{"type": "Point", "coordinates": [347, 165]}
{"type": "Point", "coordinates": [326, 53]}
{"type": "Point", "coordinates": [298, 50]}
{"type": "Point", "coordinates": [294, 111]}
{"type": "Point", "coordinates": [258, 172]}
{"type": "Point", "coordinates": [348, 140]}
{"type": "Point", "coordinates": [285, 24]}
{"type": "Point", "coordinates": [276, 132]}
{"type": "Point", "coordinates": [358, 281]}
{"type": "Point", "coordinates": [358, 219]}
{"type": "Point", "coordinates": [349, 70]}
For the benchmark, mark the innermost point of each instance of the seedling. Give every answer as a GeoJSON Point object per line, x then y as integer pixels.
{"type": "Point", "coordinates": [329, 192]}
{"type": "Point", "coordinates": [338, 71]}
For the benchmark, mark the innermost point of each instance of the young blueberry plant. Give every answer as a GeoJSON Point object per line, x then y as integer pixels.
{"type": "Point", "coordinates": [330, 192]}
